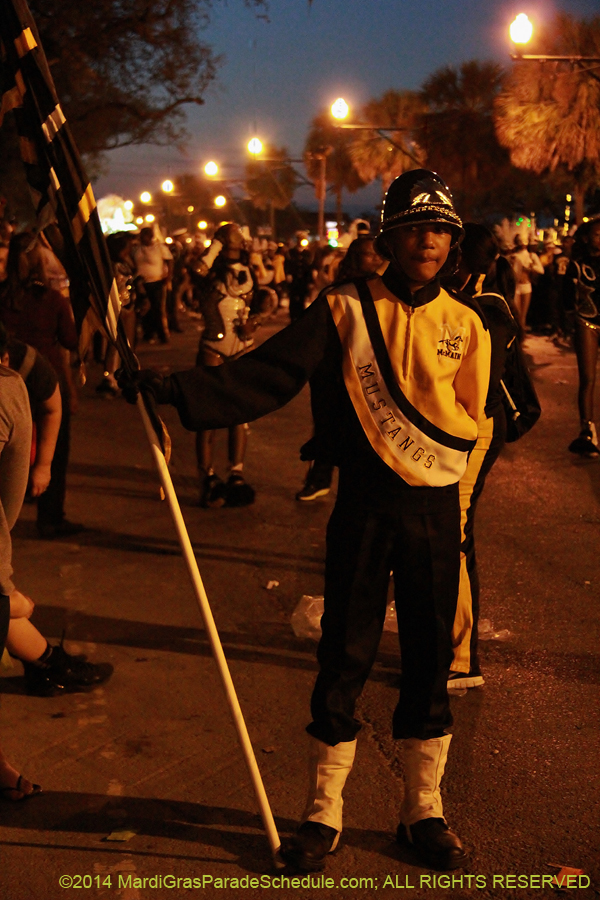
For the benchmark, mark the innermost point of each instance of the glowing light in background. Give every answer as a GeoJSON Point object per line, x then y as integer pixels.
{"type": "Point", "coordinates": [255, 146]}
{"type": "Point", "coordinates": [339, 109]}
{"type": "Point", "coordinates": [521, 29]}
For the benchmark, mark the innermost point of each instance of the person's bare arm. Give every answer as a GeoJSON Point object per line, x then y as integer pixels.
{"type": "Point", "coordinates": [21, 606]}
{"type": "Point", "coordinates": [47, 426]}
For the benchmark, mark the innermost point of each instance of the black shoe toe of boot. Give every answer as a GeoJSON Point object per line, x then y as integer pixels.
{"type": "Point", "coordinates": [309, 847]}
{"type": "Point", "coordinates": [436, 844]}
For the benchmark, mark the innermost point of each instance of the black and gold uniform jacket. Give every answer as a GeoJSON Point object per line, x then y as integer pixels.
{"type": "Point", "coordinates": [401, 380]}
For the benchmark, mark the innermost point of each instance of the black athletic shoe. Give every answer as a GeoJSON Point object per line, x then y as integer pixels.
{"type": "Point", "coordinates": [213, 492]}
{"type": "Point", "coordinates": [435, 843]}
{"type": "Point", "coordinates": [108, 387]}
{"type": "Point", "coordinates": [311, 491]}
{"type": "Point", "coordinates": [309, 847]}
{"type": "Point", "coordinates": [238, 492]}
{"type": "Point", "coordinates": [584, 445]}
{"type": "Point", "coordinates": [64, 674]}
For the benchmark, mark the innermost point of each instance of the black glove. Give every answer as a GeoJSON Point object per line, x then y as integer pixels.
{"type": "Point", "coordinates": [146, 380]}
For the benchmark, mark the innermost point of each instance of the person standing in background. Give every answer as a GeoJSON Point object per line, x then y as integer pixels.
{"type": "Point", "coordinates": [154, 263]}
{"type": "Point", "coordinates": [42, 317]}
{"type": "Point", "coordinates": [582, 296]}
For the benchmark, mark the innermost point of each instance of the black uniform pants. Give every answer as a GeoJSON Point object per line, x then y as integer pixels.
{"type": "Point", "coordinates": [418, 537]}
{"type": "Point", "coordinates": [155, 320]}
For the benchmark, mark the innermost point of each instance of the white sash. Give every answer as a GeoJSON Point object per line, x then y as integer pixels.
{"type": "Point", "coordinates": [418, 457]}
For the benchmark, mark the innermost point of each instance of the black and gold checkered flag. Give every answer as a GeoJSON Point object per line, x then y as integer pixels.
{"type": "Point", "coordinates": [59, 187]}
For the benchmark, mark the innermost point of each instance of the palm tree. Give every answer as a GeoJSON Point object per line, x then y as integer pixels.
{"type": "Point", "coordinates": [457, 130]}
{"type": "Point", "coordinates": [374, 156]}
{"type": "Point", "coordinates": [548, 116]}
{"type": "Point", "coordinates": [324, 139]}
{"type": "Point", "coordinates": [271, 181]}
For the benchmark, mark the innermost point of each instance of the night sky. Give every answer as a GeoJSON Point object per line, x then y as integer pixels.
{"type": "Point", "coordinates": [278, 74]}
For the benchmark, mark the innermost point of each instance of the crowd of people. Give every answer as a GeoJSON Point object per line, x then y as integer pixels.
{"type": "Point", "coordinates": [404, 337]}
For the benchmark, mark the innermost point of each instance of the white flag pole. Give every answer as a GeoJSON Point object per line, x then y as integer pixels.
{"type": "Point", "coordinates": [213, 634]}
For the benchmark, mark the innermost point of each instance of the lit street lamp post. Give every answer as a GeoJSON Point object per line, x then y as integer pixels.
{"type": "Point", "coordinates": [321, 155]}
{"type": "Point", "coordinates": [167, 188]}
{"type": "Point", "coordinates": [255, 148]}
{"type": "Point", "coordinates": [521, 31]}
{"type": "Point", "coordinates": [340, 110]}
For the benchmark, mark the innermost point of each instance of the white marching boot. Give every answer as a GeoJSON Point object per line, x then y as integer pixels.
{"type": "Point", "coordinates": [421, 814]}
{"type": "Point", "coordinates": [319, 832]}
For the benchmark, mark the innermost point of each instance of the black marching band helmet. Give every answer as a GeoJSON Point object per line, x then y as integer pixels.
{"type": "Point", "coordinates": [417, 196]}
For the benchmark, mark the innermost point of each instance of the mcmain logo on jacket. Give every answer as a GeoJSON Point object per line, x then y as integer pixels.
{"type": "Point", "coordinates": [451, 342]}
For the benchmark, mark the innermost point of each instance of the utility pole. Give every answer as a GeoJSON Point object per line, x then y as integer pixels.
{"type": "Point", "coordinates": [321, 188]}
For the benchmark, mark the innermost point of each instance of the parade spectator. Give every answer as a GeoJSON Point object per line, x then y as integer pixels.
{"type": "Point", "coordinates": [525, 264]}
{"type": "Point", "coordinates": [298, 268]}
{"type": "Point", "coordinates": [133, 298]}
{"type": "Point", "coordinates": [324, 270]}
{"type": "Point", "coordinates": [42, 317]}
{"type": "Point", "coordinates": [15, 443]}
{"type": "Point", "coordinates": [48, 670]}
{"type": "Point", "coordinates": [46, 406]}
{"type": "Point", "coordinates": [264, 274]}
{"type": "Point", "coordinates": [398, 501]}
{"type": "Point", "coordinates": [154, 263]}
{"type": "Point", "coordinates": [276, 259]}
{"type": "Point", "coordinates": [545, 310]}
{"type": "Point", "coordinates": [561, 263]}
{"type": "Point", "coordinates": [582, 296]}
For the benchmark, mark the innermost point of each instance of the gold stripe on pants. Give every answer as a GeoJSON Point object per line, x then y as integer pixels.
{"type": "Point", "coordinates": [463, 620]}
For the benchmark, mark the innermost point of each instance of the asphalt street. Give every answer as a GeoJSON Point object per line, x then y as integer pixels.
{"type": "Point", "coordinates": [152, 755]}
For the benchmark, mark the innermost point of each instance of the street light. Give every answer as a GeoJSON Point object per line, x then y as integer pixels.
{"type": "Point", "coordinates": [255, 146]}
{"type": "Point", "coordinates": [339, 109]}
{"type": "Point", "coordinates": [220, 200]}
{"type": "Point", "coordinates": [521, 29]}
{"type": "Point", "coordinates": [167, 187]}
{"type": "Point", "coordinates": [202, 225]}
{"type": "Point", "coordinates": [211, 168]}
{"type": "Point", "coordinates": [146, 197]}
{"type": "Point", "coordinates": [128, 205]}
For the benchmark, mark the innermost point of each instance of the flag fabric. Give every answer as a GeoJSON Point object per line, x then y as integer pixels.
{"type": "Point", "coordinates": [59, 187]}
